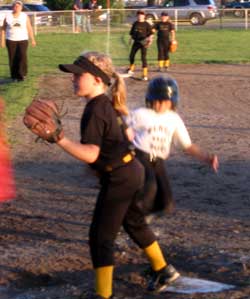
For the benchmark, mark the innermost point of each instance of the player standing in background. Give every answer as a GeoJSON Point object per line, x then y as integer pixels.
{"type": "Point", "coordinates": [164, 29]}
{"type": "Point", "coordinates": [142, 34]}
{"type": "Point", "coordinates": [155, 128]}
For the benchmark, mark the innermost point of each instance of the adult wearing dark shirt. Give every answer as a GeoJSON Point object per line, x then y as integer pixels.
{"type": "Point", "coordinates": [104, 146]}
{"type": "Point", "coordinates": [141, 32]}
{"type": "Point", "coordinates": [164, 29]}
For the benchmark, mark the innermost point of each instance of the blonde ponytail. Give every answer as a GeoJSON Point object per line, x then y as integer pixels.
{"type": "Point", "coordinates": [119, 95]}
{"type": "Point", "coordinates": [118, 89]}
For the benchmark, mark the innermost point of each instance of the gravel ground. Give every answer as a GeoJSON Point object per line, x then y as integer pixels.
{"type": "Point", "coordinates": [44, 232]}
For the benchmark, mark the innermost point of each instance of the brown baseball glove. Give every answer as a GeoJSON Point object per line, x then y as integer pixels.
{"type": "Point", "coordinates": [42, 117]}
{"type": "Point", "coordinates": [173, 46]}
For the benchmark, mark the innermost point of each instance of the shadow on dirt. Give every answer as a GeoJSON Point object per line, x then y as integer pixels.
{"type": "Point", "coordinates": [195, 186]}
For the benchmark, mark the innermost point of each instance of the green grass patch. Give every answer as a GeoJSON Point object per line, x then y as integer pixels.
{"type": "Point", "coordinates": [213, 46]}
{"type": "Point", "coordinates": [195, 46]}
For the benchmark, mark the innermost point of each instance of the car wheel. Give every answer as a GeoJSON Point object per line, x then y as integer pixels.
{"type": "Point", "coordinates": [197, 19]}
{"type": "Point", "coordinates": [239, 13]}
{"type": "Point", "coordinates": [150, 19]}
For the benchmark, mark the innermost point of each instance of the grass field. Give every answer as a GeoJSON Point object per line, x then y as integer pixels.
{"type": "Point", "coordinates": [206, 46]}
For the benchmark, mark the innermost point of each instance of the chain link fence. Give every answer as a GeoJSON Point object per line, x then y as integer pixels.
{"type": "Point", "coordinates": [121, 19]}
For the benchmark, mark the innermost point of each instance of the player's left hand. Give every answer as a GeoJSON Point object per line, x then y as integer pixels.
{"type": "Point", "coordinates": [43, 119]}
{"type": "Point", "coordinates": [149, 41]}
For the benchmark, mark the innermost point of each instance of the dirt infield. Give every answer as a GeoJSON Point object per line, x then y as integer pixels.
{"type": "Point", "coordinates": [44, 232]}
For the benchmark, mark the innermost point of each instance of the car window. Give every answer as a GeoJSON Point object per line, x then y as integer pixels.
{"type": "Point", "coordinates": [25, 8]}
{"type": "Point", "coordinates": [176, 3]}
{"type": "Point", "coordinates": [6, 7]}
{"type": "Point", "coordinates": [203, 2]}
{"type": "Point", "coordinates": [37, 7]}
{"type": "Point", "coordinates": [181, 2]}
{"type": "Point", "coordinates": [169, 3]}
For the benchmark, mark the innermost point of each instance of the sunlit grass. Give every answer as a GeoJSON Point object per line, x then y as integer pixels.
{"type": "Point", "coordinates": [194, 46]}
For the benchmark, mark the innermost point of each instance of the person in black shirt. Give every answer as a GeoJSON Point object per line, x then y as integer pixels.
{"type": "Point", "coordinates": [164, 29]}
{"type": "Point", "coordinates": [105, 147]}
{"type": "Point", "coordinates": [141, 32]}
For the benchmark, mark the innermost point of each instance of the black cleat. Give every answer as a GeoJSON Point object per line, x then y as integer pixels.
{"type": "Point", "coordinates": [160, 280]}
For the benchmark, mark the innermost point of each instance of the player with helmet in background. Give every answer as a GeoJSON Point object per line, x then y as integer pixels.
{"type": "Point", "coordinates": [142, 34]}
{"type": "Point", "coordinates": [154, 129]}
{"type": "Point", "coordinates": [164, 29]}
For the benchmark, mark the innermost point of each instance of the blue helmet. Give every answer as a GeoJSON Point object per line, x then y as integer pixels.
{"type": "Point", "coordinates": [162, 88]}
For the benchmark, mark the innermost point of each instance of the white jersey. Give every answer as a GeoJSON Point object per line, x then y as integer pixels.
{"type": "Point", "coordinates": [155, 132]}
{"type": "Point", "coordinates": [16, 29]}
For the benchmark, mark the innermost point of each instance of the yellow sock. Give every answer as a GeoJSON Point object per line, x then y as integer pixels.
{"type": "Point", "coordinates": [161, 62]}
{"type": "Point", "coordinates": [155, 256]}
{"type": "Point", "coordinates": [132, 67]}
{"type": "Point", "coordinates": [104, 280]}
{"type": "Point", "coordinates": [167, 63]}
{"type": "Point", "coordinates": [145, 72]}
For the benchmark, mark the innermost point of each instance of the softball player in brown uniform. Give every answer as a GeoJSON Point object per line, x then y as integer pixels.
{"type": "Point", "coordinates": [164, 29]}
{"type": "Point", "coordinates": [104, 146]}
{"type": "Point", "coordinates": [141, 32]}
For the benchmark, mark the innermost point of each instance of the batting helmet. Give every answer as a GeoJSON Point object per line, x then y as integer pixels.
{"type": "Point", "coordinates": [162, 88]}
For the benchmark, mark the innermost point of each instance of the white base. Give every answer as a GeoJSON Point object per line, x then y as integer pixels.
{"type": "Point", "coordinates": [125, 75]}
{"type": "Point", "coordinates": [188, 285]}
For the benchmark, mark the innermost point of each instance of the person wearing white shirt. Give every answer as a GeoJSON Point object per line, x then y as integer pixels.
{"type": "Point", "coordinates": [152, 130]}
{"type": "Point", "coordinates": [16, 32]}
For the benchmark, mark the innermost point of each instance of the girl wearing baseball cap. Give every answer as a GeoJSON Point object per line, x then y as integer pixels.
{"type": "Point", "coordinates": [105, 147]}
{"type": "Point", "coordinates": [165, 35]}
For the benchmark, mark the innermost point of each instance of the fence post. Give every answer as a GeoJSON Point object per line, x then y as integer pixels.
{"type": "Point", "coordinates": [108, 32]}
{"type": "Point", "coordinates": [221, 13]}
{"type": "Point", "coordinates": [35, 24]}
{"type": "Point", "coordinates": [246, 19]}
{"type": "Point", "coordinates": [73, 21]}
{"type": "Point", "coordinates": [176, 19]}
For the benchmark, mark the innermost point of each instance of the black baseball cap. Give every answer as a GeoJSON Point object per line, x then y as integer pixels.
{"type": "Point", "coordinates": [83, 65]}
{"type": "Point", "coordinates": [164, 13]}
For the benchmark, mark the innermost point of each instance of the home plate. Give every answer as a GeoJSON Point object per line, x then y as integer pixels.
{"type": "Point", "coordinates": [188, 285]}
{"type": "Point", "coordinates": [125, 75]}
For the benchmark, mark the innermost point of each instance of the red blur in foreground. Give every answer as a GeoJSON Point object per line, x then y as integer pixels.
{"type": "Point", "coordinates": [7, 186]}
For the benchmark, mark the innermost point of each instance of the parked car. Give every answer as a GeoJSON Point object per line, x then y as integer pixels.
{"type": "Point", "coordinates": [197, 12]}
{"type": "Point", "coordinates": [41, 12]}
{"type": "Point", "coordinates": [135, 3]}
{"type": "Point", "coordinates": [240, 7]}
